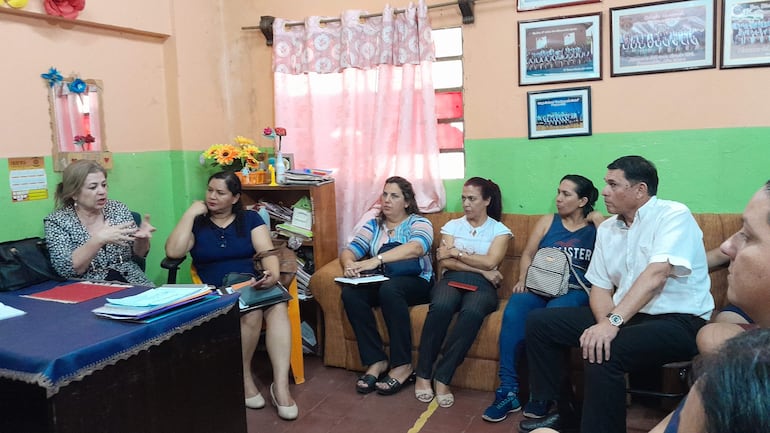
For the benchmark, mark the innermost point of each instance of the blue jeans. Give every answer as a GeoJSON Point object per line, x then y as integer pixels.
{"type": "Point", "coordinates": [513, 327]}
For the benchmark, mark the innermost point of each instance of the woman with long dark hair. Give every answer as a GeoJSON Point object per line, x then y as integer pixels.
{"type": "Point", "coordinates": [572, 229]}
{"type": "Point", "coordinates": [222, 237]}
{"type": "Point", "coordinates": [472, 248]}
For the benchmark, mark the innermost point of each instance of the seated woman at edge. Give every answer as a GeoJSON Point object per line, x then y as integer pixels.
{"type": "Point", "coordinates": [90, 236]}
{"type": "Point", "coordinates": [572, 229]}
{"type": "Point", "coordinates": [398, 221]}
{"type": "Point", "coordinates": [222, 237]}
{"type": "Point", "coordinates": [472, 248]}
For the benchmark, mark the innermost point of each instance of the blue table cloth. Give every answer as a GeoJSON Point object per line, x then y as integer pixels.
{"type": "Point", "coordinates": [55, 344]}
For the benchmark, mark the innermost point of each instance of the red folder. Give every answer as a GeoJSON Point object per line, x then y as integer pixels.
{"type": "Point", "coordinates": [78, 292]}
{"type": "Point", "coordinates": [463, 286]}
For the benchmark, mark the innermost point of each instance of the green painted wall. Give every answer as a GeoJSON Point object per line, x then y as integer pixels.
{"type": "Point", "coordinates": [711, 170]}
{"type": "Point", "coordinates": [162, 184]}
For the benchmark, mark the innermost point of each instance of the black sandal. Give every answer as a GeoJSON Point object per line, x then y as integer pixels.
{"type": "Point", "coordinates": [394, 385]}
{"type": "Point", "coordinates": [370, 381]}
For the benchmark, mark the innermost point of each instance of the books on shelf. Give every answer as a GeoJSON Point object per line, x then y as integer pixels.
{"type": "Point", "coordinates": [153, 302]}
{"type": "Point", "coordinates": [293, 230]}
{"type": "Point", "coordinates": [308, 177]}
{"type": "Point", "coordinates": [276, 211]}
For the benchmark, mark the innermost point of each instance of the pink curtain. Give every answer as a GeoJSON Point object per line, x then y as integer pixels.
{"type": "Point", "coordinates": [357, 97]}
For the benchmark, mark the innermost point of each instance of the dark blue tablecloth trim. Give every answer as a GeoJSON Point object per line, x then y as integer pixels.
{"type": "Point", "coordinates": [52, 388]}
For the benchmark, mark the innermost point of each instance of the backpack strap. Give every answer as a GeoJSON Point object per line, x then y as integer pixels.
{"type": "Point", "coordinates": [577, 277]}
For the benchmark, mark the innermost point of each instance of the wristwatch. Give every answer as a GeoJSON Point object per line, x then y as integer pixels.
{"type": "Point", "coordinates": [615, 319]}
{"type": "Point", "coordinates": [460, 254]}
{"type": "Point", "coordinates": [379, 257]}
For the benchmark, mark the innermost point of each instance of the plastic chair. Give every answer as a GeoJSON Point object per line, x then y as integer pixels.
{"type": "Point", "coordinates": [297, 359]}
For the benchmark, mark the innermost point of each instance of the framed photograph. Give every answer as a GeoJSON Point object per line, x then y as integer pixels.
{"type": "Point", "coordinates": [662, 37]}
{"type": "Point", "coordinates": [560, 50]}
{"type": "Point", "coordinates": [288, 161]}
{"type": "Point", "coordinates": [530, 5]}
{"type": "Point", "coordinates": [745, 34]}
{"type": "Point", "coordinates": [559, 113]}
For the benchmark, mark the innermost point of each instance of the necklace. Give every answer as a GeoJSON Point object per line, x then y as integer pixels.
{"type": "Point", "coordinates": [390, 230]}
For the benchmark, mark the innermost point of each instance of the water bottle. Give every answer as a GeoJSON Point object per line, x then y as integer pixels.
{"type": "Point", "coordinates": [280, 169]}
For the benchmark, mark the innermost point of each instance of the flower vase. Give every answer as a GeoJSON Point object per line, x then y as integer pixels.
{"type": "Point", "coordinates": [280, 169]}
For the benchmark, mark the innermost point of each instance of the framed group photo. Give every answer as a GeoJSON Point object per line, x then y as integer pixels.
{"type": "Point", "coordinates": [560, 50]}
{"type": "Point", "coordinates": [530, 5]}
{"type": "Point", "coordinates": [745, 33]}
{"type": "Point", "coordinates": [559, 113]}
{"type": "Point", "coordinates": [662, 37]}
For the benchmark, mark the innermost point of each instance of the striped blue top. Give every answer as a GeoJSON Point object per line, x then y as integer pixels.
{"type": "Point", "coordinates": [415, 228]}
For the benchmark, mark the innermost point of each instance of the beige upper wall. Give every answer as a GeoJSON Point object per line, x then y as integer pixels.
{"type": "Point", "coordinates": [209, 80]}
{"type": "Point", "coordinates": [496, 105]}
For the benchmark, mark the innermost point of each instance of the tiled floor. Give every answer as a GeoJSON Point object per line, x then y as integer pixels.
{"type": "Point", "coordinates": [328, 403]}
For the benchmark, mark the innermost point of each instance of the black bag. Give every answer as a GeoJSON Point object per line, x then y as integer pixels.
{"type": "Point", "coordinates": [400, 268]}
{"type": "Point", "coordinates": [24, 263]}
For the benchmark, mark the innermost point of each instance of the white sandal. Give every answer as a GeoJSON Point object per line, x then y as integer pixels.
{"type": "Point", "coordinates": [424, 395]}
{"type": "Point", "coordinates": [445, 400]}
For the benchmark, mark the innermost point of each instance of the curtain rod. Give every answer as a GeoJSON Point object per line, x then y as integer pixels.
{"type": "Point", "coordinates": [266, 21]}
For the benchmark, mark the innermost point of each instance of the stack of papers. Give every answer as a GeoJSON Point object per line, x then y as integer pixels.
{"type": "Point", "coordinates": [277, 211]}
{"type": "Point", "coordinates": [152, 303]}
{"type": "Point", "coordinates": [290, 230]}
{"type": "Point", "coordinates": [307, 177]}
{"type": "Point", "coordinates": [367, 279]}
{"type": "Point", "coordinates": [6, 311]}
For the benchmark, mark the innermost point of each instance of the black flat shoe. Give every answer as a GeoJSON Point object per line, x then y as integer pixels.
{"type": "Point", "coordinates": [393, 385]}
{"type": "Point", "coordinates": [371, 383]}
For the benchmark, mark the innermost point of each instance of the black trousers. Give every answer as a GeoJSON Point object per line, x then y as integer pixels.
{"type": "Point", "coordinates": [646, 341]}
{"type": "Point", "coordinates": [471, 309]}
{"type": "Point", "coordinates": [394, 297]}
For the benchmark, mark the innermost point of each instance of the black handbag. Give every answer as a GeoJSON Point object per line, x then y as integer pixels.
{"type": "Point", "coordinates": [24, 263]}
{"type": "Point", "coordinates": [400, 268]}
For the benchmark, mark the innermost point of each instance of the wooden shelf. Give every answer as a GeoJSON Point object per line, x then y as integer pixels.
{"type": "Point", "coordinates": [322, 199]}
{"type": "Point", "coordinates": [66, 22]}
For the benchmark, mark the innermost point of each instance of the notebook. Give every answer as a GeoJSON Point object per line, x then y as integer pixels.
{"type": "Point", "coordinates": [252, 298]}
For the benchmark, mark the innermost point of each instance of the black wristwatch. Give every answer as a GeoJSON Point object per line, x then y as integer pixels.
{"type": "Point", "coordinates": [615, 319]}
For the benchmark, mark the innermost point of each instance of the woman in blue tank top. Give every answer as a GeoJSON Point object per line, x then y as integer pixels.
{"type": "Point", "coordinates": [573, 230]}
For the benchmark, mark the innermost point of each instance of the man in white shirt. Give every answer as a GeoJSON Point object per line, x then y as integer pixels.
{"type": "Point", "coordinates": [649, 297]}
